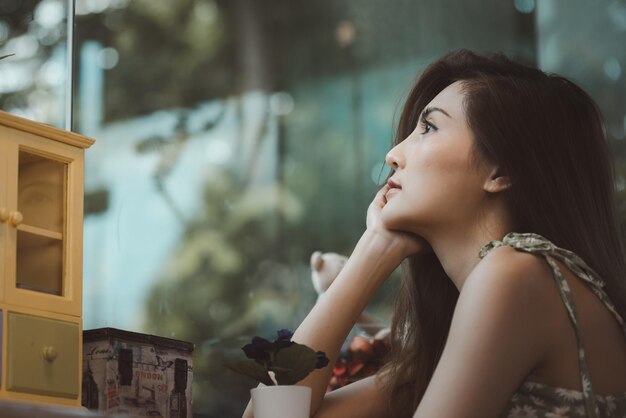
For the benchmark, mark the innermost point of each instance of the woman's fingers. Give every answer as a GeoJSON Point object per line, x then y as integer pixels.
{"type": "Point", "coordinates": [383, 193]}
{"type": "Point", "coordinates": [410, 243]}
{"type": "Point", "coordinates": [377, 204]}
{"type": "Point", "coordinates": [381, 196]}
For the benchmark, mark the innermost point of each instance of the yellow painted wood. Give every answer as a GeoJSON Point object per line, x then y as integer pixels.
{"type": "Point", "coordinates": [3, 348]}
{"type": "Point", "coordinates": [70, 299]}
{"type": "Point", "coordinates": [45, 131]}
{"type": "Point", "coordinates": [31, 319]}
{"type": "Point", "coordinates": [42, 356]}
{"type": "Point", "coordinates": [3, 208]}
{"type": "Point", "coordinates": [40, 231]}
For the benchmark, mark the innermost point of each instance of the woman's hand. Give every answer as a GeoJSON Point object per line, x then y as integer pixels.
{"type": "Point", "coordinates": [406, 243]}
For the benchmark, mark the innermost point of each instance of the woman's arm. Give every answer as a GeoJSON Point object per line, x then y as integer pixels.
{"type": "Point", "coordinates": [327, 325]}
{"type": "Point", "coordinates": [376, 255]}
{"type": "Point", "coordinates": [329, 322]}
{"type": "Point", "coordinates": [362, 399]}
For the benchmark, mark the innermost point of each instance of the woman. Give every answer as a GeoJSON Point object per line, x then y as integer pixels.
{"type": "Point", "coordinates": [498, 170]}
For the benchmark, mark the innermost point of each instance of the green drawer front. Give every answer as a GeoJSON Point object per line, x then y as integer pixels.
{"type": "Point", "coordinates": [42, 356]}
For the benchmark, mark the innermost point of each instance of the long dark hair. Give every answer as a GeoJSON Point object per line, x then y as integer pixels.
{"type": "Point", "coordinates": [547, 135]}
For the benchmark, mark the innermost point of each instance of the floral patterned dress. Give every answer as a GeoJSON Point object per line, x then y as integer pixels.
{"type": "Point", "coordinates": [537, 400]}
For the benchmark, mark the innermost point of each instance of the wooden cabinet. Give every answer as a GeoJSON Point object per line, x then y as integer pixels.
{"type": "Point", "coordinates": [41, 217]}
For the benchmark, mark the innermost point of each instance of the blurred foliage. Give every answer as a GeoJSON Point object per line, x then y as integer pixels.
{"type": "Point", "coordinates": [152, 36]}
{"type": "Point", "coordinates": [224, 47]}
{"type": "Point", "coordinates": [29, 84]}
{"type": "Point", "coordinates": [202, 296]}
{"type": "Point", "coordinates": [242, 266]}
{"type": "Point", "coordinates": [18, 14]}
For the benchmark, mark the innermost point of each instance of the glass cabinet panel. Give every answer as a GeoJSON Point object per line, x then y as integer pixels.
{"type": "Point", "coordinates": [39, 263]}
{"type": "Point", "coordinates": [40, 236]}
{"type": "Point", "coordinates": [41, 192]}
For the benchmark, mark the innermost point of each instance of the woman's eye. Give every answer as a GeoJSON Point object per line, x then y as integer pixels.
{"type": "Point", "coordinates": [427, 127]}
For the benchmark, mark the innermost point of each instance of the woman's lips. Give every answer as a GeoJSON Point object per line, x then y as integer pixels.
{"type": "Point", "coordinates": [393, 185]}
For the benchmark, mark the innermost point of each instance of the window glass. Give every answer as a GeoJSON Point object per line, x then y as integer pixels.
{"type": "Point", "coordinates": [34, 75]}
{"type": "Point", "coordinates": [234, 139]}
{"type": "Point", "coordinates": [584, 42]}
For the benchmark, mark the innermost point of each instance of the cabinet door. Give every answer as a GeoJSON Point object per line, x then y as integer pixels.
{"type": "Point", "coordinates": [44, 196]}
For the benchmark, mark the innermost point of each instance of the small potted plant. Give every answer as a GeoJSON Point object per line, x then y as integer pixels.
{"type": "Point", "coordinates": [278, 366]}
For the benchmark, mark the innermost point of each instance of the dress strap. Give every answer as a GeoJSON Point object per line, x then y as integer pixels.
{"type": "Point", "coordinates": [534, 243]}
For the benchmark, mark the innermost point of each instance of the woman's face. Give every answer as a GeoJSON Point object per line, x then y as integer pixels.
{"type": "Point", "coordinates": [437, 182]}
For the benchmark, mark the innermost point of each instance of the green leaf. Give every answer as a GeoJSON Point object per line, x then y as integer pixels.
{"type": "Point", "coordinates": [294, 363]}
{"type": "Point", "coordinates": [6, 56]}
{"type": "Point", "coordinates": [277, 369]}
{"type": "Point", "coordinates": [251, 369]}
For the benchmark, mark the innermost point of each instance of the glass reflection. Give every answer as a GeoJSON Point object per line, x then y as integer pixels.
{"type": "Point", "coordinates": [41, 187]}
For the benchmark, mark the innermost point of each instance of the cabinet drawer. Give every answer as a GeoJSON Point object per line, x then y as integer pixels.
{"type": "Point", "coordinates": [42, 356]}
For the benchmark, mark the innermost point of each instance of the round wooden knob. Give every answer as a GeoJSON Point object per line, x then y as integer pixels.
{"type": "Point", "coordinates": [4, 215]}
{"type": "Point", "coordinates": [49, 354]}
{"type": "Point", "coordinates": [15, 218]}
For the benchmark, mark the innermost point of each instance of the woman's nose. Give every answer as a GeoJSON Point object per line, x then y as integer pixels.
{"type": "Point", "coordinates": [393, 158]}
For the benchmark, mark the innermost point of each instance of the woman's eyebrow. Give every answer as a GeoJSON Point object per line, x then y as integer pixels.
{"type": "Point", "coordinates": [429, 110]}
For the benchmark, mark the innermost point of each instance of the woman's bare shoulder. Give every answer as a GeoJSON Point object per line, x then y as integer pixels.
{"type": "Point", "coordinates": [519, 282]}
{"type": "Point", "coordinates": [510, 268]}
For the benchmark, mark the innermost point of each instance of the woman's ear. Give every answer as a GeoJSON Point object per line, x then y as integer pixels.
{"type": "Point", "coordinates": [496, 182]}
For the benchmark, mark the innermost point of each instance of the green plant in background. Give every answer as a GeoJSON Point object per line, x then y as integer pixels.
{"type": "Point", "coordinates": [281, 362]}
{"type": "Point", "coordinates": [223, 281]}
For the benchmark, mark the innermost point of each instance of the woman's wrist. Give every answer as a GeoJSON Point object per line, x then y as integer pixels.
{"type": "Point", "coordinates": [385, 244]}
{"type": "Point", "coordinates": [381, 251]}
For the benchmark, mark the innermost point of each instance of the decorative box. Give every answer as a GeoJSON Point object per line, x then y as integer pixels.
{"type": "Point", "coordinates": [137, 374]}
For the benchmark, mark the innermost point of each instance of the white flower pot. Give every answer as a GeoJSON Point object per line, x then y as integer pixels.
{"type": "Point", "coordinates": [281, 401]}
